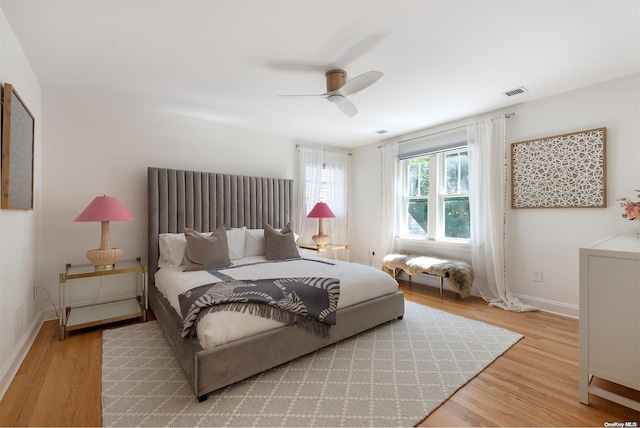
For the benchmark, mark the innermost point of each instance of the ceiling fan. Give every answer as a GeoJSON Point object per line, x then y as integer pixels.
{"type": "Point", "coordinates": [338, 88]}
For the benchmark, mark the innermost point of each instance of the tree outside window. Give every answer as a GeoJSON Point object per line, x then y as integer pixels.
{"type": "Point", "coordinates": [436, 183]}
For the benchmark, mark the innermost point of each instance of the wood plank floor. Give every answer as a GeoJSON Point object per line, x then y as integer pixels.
{"type": "Point", "coordinates": [535, 383]}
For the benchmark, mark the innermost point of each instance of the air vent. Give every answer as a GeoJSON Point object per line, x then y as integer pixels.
{"type": "Point", "coordinates": [516, 91]}
{"type": "Point", "coordinates": [382, 131]}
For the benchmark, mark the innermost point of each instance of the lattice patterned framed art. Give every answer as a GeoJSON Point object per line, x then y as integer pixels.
{"type": "Point", "coordinates": [563, 171]}
{"type": "Point", "coordinates": [18, 131]}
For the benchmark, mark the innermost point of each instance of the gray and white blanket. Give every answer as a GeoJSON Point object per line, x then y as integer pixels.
{"type": "Point", "coordinates": [308, 302]}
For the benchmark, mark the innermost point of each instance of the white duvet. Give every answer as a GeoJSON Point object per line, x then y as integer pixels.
{"type": "Point", "coordinates": [358, 283]}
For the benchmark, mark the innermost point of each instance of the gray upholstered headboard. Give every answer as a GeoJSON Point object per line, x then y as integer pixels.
{"type": "Point", "coordinates": [205, 200]}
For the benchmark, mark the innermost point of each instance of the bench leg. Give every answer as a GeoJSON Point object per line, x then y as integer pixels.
{"type": "Point", "coordinates": [441, 284]}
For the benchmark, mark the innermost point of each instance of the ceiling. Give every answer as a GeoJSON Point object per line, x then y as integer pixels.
{"type": "Point", "coordinates": [226, 61]}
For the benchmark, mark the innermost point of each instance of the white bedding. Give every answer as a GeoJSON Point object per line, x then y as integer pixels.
{"type": "Point", "coordinates": [358, 283]}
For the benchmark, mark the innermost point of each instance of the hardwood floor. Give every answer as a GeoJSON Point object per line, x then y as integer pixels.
{"type": "Point", "coordinates": [535, 383]}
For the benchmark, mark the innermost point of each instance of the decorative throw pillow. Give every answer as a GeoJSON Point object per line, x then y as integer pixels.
{"type": "Point", "coordinates": [207, 252]}
{"type": "Point", "coordinates": [280, 245]}
{"type": "Point", "coordinates": [173, 246]}
{"type": "Point", "coordinates": [254, 242]}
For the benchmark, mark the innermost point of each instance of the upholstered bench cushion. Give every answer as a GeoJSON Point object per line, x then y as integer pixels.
{"type": "Point", "coordinates": [459, 274]}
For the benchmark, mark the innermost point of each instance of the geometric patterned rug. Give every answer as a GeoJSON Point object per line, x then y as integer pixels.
{"type": "Point", "coordinates": [392, 375]}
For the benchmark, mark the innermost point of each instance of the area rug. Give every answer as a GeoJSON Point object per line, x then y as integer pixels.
{"type": "Point", "coordinates": [392, 375]}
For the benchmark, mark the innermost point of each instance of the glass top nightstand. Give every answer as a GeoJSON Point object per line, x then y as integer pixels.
{"type": "Point", "coordinates": [328, 247]}
{"type": "Point", "coordinates": [89, 270]}
{"type": "Point", "coordinates": [105, 311]}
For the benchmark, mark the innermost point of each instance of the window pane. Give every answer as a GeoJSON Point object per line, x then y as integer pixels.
{"type": "Point", "coordinates": [456, 217]}
{"type": "Point", "coordinates": [424, 176]}
{"type": "Point", "coordinates": [457, 173]}
{"type": "Point", "coordinates": [419, 176]}
{"type": "Point", "coordinates": [418, 223]}
{"type": "Point", "coordinates": [464, 172]}
{"type": "Point", "coordinates": [451, 171]}
{"type": "Point", "coordinates": [413, 178]}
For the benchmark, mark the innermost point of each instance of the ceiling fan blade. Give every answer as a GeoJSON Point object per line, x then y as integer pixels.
{"type": "Point", "coordinates": [351, 53]}
{"type": "Point", "coordinates": [358, 83]}
{"type": "Point", "coordinates": [299, 96]}
{"type": "Point", "coordinates": [345, 106]}
{"type": "Point", "coordinates": [297, 67]}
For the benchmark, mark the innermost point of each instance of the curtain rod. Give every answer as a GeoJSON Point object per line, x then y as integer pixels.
{"type": "Point", "coordinates": [507, 116]}
{"type": "Point", "coordinates": [348, 153]}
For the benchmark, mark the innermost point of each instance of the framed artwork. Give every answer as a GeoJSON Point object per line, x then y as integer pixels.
{"type": "Point", "coordinates": [18, 127]}
{"type": "Point", "coordinates": [563, 171]}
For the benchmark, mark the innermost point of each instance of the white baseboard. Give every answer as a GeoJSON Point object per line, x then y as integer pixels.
{"type": "Point", "coordinates": [10, 368]}
{"type": "Point", "coordinates": [552, 306]}
{"type": "Point", "coordinates": [50, 315]}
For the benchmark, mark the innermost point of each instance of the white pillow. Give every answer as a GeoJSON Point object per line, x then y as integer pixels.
{"type": "Point", "coordinates": [173, 247]}
{"type": "Point", "coordinates": [254, 242]}
{"type": "Point", "coordinates": [236, 239]}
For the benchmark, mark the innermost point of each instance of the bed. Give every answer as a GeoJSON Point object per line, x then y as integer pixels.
{"type": "Point", "coordinates": [179, 199]}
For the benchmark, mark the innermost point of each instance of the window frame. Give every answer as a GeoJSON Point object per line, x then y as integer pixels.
{"type": "Point", "coordinates": [436, 199]}
{"type": "Point", "coordinates": [443, 194]}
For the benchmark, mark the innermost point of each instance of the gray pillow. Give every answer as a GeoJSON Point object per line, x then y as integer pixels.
{"type": "Point", "coordinates": [207, 252]}
{"type": "Point", "coordinates": [280, 245]}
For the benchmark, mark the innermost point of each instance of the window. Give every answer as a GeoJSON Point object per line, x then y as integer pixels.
{"type": "Point", "coordinates": [318, 183]}
{"type": "Point", "coordinates": [417, 199]}
{"type": "Point", "coordinates": [435, 195]}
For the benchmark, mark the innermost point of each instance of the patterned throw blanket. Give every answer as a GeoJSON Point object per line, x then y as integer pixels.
{"type": "Point", "coordinates": [309, 302]}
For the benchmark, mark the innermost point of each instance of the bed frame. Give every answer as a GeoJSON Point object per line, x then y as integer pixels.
{"type": "Point", "coordinates": [203, 201]}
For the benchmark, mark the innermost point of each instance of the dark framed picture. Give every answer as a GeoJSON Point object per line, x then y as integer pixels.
{"type": "Point", "coordinates": [563, 171]}
{"type": "Point", "coordinates": [18, 128]}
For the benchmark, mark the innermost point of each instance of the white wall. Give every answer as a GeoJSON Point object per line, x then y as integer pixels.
{"type": "Point", "coordinates": [538, 239]}
{"type": "Point", "coordinates": [94, 146]}
{"type": "Point", "coordinates": [549, 239]}
{"type": "Point", "coordinates": [20, 317]}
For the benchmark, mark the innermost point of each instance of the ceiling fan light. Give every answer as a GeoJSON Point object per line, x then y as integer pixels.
{"type": "Point", "coordinates": [335, 98]}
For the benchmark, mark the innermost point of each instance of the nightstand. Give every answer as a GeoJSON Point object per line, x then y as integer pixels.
{"type": "Point", "coordinates": [320, 249]}
{"type": "Point", "coordinates": [104, 311]}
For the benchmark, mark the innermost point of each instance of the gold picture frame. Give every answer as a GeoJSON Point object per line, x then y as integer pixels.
{"type": "Point", "coordinates": [563, 171]}
{"type": "Point", "coordinates": [18, 135]}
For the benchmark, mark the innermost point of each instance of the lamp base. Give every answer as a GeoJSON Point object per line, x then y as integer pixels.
{"type": "Point", "coordinates": [104, 259]}
{"type": "Point", "coordinates": [321, 240]}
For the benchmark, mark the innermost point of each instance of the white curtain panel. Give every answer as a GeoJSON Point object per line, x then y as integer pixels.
{"type": "Point", "coordinates": [309, 183]}
{"type": "Point", "coordinates": [487, 200]}
{"type": "Point", "coordinates": [389, 184]}
{"type": "Point", "coordinates": [322, 177]}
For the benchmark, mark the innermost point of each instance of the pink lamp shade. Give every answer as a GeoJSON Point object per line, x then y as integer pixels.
{"type": "Point", "coordinates": [320, 211]}
{"type": "Point", "coordinates": [104, 209]}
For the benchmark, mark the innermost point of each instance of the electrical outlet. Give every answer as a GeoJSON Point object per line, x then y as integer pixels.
{"type": "Point", "coordinates": [537, 275]}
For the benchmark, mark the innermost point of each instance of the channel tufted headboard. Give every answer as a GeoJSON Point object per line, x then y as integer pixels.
{"type": "Point", "coordinates": [205, 200]}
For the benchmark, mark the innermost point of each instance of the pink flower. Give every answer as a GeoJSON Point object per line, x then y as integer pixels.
{"type": "Point", "coordinates": [632, 209]}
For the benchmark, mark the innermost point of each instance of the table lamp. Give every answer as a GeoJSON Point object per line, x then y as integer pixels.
{"type": "Point", "coordinates": [104, 209]}
{"type": "Point", "coordinates": [320, 211]}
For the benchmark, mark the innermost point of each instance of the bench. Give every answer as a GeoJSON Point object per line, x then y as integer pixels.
{"type": "Point", "coordinates": [459, 274]}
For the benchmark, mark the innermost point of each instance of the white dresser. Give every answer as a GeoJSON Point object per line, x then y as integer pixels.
{"type": "Point", "coordinates": [610, 316]}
